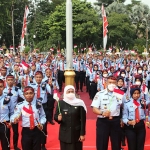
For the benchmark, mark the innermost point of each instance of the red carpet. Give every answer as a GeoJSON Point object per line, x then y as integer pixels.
{"type": "Point", "coordinates": [90, 142]}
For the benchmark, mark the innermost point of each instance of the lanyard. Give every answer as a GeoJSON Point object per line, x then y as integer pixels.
{"type": "Point", "coordinates": [110, 101]}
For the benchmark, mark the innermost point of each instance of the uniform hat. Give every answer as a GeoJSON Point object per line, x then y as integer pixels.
{"type": "Point", "coordinates": [112, 78]}
{"type": "Point", "coordinates": [47, 69]}
{"type": "Point", "coordinates": [105, 70]}
{"type": "Point", "coordinates": [134, 88]}
{"type": "Point", "coordinates": [28, 88]}
{"type": "Point", "coordinates": [10, 76]}
{"type": "Point", "coordinates": [122, 71]}
{"type": "Point", "coordinates": [39, 72]}
{"type": "Point", "coordinates": [33, 64]}
{"type": "Point", "coordinates": [3, 68]}
{"type": "Point", "coordinates": [138, 77]}
{"type": "Point", "coordinates": [95, 65]}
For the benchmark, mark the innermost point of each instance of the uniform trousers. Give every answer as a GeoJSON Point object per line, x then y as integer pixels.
{"type": "Point", "coordinates": [3, 138]}
{"type": "Point", "coordinates": [106, 128]}
{"type": "Point", "coordinates": [43, 137]}
{"type": "Point", "coordinates": [15, 135]}
{"type": "Point", "coordinates": [61, 79]}
{"type": "Point", "coordinates": [50, 107]}
{"type": "Point", "coordinates": [93, 89]}
{"type": "Point", "coordinates": [87, 84]}
{"type": "Point", "coordinates": [31, 139]}
{"type": "Point", "coordinates": [79, 79]}
{"type": "Point", "coordinates": [71, 146]}
{"type": "Point", "coordinates": [136, 136]}
{"type": "Point", "coordinates": [84, 78]}
{"type": "Point", "coordinates": [148, 85]}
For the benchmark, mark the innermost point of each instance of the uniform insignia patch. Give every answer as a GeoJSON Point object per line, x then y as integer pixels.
{"type": "Point", "coordinates": [19, 103]}
{"type": "Point", "coordinates": [95, 98]}
{"type": "Point", "coordinates": [75, 107]}
{"type": "Point", "coordinates": [104, 99]}
{"type": "Point", "coordinates": [65, 112]}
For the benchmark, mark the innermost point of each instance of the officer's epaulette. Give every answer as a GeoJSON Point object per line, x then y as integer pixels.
{"type": "Point", "coordinates": [6, 100]}
{"type": "Point", "coordinates": [16, 88]}
{"type": "Point", "coordinates": [102, 91]}
{"type": "Point", "coordinates": [20, 103]}
{"type": "Point", "coordinates": [127, 101]}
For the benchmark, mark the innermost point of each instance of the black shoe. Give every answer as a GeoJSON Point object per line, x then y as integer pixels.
{"type": "Point", "coordinates": [43, 147]}
{"type": "Point", "coordinates": [16, 148]}
{"type": "Point", "coordinates": [52, 123]}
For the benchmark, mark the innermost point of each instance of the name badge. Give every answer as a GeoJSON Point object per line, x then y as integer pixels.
{"type": "Point", "coordinates": [105, 99]}
{"type": "Point", "coordinates": [65, 111]}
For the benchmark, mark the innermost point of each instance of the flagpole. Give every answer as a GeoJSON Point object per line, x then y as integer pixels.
{"type": "Point", "coordinates": [13, 33]}
{"type": "Point", "coordinates": [69, 72]}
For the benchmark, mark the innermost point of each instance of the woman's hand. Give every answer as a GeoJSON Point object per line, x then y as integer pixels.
{"type": "Point", "coordinates": [82, 138]}
{"type": "Point", "coordinates": [59, 117]}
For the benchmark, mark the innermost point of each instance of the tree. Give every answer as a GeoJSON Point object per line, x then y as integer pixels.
{"type": "Point", "coordinates": [86, 26]}
{"type": "Point", "coordinates": [107, 2]}
{"type": "Point", "coordinates": [139, 17]}
{"type": "Point", "coordinates": [120, 29]}
{"type": "Point", "coordinates": [119, 8]}
{"type": "Point", "coordinates": [6, 8]}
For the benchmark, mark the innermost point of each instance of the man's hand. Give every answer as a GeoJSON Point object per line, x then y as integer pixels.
{"type": "Point", "coordinates": [40, 126]}
{"type": "Point", "coordinates": [133, 122]}
{"type": "Point", "coordinates": [16, 120]}
{"type": "Point", "coordinates": [121, 124]}
{"type": "Point", "coordinates": [106, 113]}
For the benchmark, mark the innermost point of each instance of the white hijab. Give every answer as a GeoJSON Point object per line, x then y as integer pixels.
{"type": "Point", "coordinates": [75, 101]}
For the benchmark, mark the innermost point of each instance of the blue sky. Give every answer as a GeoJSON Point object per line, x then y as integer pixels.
{"type": "Point", "coordinates": [128, 1]}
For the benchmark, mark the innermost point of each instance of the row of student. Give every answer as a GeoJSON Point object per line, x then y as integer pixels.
{"type": "Point", "coordinates": [43, 94]}
{"type": "Point", "coordinates": [81, 63]}
{"type": "Point", "coordinates": [105, 105]}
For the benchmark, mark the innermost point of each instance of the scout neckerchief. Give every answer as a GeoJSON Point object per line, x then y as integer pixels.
{"type": "Point", "coordinates": [137, 115]}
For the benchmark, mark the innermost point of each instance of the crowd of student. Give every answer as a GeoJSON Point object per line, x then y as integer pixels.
{"type": "Point", "coordinates": [27, 83]}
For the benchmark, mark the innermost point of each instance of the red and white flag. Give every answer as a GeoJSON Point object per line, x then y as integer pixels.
{"type": "Point", "coordinates": [105, 25]}
{"type": "Point", "coordinates": [52, 49]}
{"type": "Point", "coordinates": [24, 28]}
{"type": "Point", "coordinates": [118, 93]}
{"type": "Point", "coordinates": [75, 46]}
{"type": "Point", "coordinates": [56, 95]}
{"type": "Point", "coordinates": [11, 48]}
{"type": "Point", "coordinates": [26, 112]}
{"type": "Point", "coordinates": [24, 65]}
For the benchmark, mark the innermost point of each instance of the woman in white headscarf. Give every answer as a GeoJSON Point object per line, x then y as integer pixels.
{"type": "Point", "coordinates": [72, 120]}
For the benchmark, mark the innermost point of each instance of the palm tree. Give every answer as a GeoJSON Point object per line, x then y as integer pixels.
{"type": "Point", "coordinates": [139, 16]}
